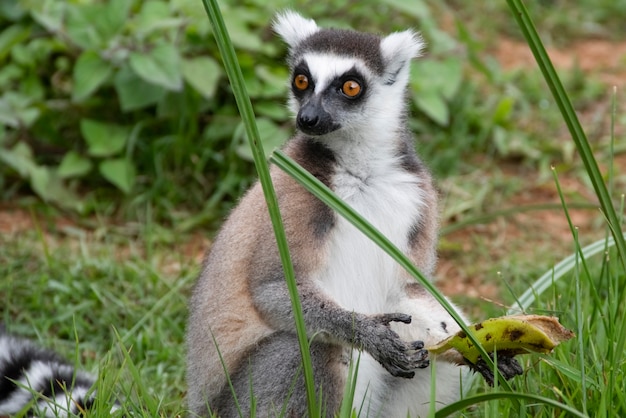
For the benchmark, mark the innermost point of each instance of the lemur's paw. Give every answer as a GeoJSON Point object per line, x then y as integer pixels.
{"type": "Point", "coordinates": [508, 367]}
{"type": "Point", "coordinates": [386, 319]}
{"type": "Point", "coordinates": [398, 357]}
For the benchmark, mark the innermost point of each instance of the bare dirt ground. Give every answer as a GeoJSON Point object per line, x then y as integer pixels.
{"type": "Point", "coordinates": [599, 58]}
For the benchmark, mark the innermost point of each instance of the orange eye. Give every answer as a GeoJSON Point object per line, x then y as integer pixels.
{"type": "Point", "coordinates": [301, 82]}
{"type": "Point", "coordinates": [351, 88]}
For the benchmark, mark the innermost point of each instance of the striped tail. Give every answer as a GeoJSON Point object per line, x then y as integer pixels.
{"type": "Point", "coordinates": [40, 381]}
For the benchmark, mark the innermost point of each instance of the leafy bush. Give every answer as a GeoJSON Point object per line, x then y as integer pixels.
{"type": "Point", "coordinates": [125, 93]}
{"type": "Point", "coordinates": [122, 106]}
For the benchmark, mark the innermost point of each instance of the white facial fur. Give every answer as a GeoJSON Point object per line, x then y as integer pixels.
{"type": "Point", "coordinates": [325, 68]}
{"type": "Point", "coordinates": [385, 104]}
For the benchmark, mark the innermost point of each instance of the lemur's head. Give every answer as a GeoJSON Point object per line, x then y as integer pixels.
{"type": "Point", "coordinates": [342, 79]}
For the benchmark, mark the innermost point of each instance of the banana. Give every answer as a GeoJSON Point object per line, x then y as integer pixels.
{"type": "Point", "coordinates": [515, 334]}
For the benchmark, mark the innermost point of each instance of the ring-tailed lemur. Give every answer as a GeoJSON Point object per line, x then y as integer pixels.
{"type": "Point", "coordinates": [40, 382]}
{"type": "Point", "coordinates": [348, 90]}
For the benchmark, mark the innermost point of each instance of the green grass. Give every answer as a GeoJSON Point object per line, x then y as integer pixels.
{"type": "Point", "coordinates": [78, 295]}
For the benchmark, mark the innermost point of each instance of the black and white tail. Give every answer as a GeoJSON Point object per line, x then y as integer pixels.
{"type": "Point", "coordinates": [39, 381]}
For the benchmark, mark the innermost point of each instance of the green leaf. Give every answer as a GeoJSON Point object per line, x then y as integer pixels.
{"type": "Point", "coordinates": [90, 72]}
{"type": "Point", "coordinates": [80, 26]}
{"type": "Point", "coordinates": [434, 83]}
{"type": "Point", "coordinates": [19, 158]}
{"type": "Point", "coordinates": [273, 80]}
{"type": "Point", "coordinates": [193, 11]}
{"type": "Point", "coordinates": [12, 10]}
{"type": "Point", "coordinates": [31, 86]}
{"type": "Point", "coordinates": [240, 33]}
{"type": "Point", "coordinates": [418, 9]}
{"type": "Point", "coordinates": [93, 25]}
{"type": "Point", "coordinates": [272, 109]}
{"type": "Point", "coordinates": [74, 165]}
{"type": "Point", "coordinates": [12, 35]}
{"type": "Point", "coordinates": [120, 172]}
{"type": "Point", "coordinates": [444, 77]}
{"type": "Point", "coordinates": [44, 181]}
{"type": "Point", "coordinates": [135, 93]}
{"type": "Point", "coordinates": [433, 105]}
{"type": "Point", "coordinates": [103, 139]}
{"type": "Point", "coordinates": [9, 73]}
{"type": "Point", "coordinates": [450, 73]}
{"type": "Point", "coordinates": [49, 186]}
{"type": "Point", "coordinates": [114, 17]}
{"type": "Point", "coordinates": [160, 66]}
{"type": "Point", "coordinates": [156, 15]}
{"type": "Point", "coordinates": [203, 74]}
{"type": "Point", "coordinates": [16, 110]}
{"type": "Point", "coordinates": [272, 136]}
{"type": "Point", "coordinates": [49, 13]}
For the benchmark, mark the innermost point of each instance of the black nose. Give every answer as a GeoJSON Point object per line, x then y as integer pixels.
{"type": "Point", "coordinates": [312, 119]}
{"type": "Point", "coordinates": [308, 118]}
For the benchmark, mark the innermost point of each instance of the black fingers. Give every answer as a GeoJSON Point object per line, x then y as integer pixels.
{"type": "Point", "coordinates": [406, 369]}
{"type": "Point", "coordinates": [386, 319]}
{"type": "Point", "coordinates": [417, 345]}
{"type": "Point", "coordinates": [508, 367]}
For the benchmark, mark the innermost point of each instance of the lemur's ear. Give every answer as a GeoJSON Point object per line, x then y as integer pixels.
{"type": "Point", "coordinates": [293, 28]}
{"type": "Point", "coordinates": [397, 50]}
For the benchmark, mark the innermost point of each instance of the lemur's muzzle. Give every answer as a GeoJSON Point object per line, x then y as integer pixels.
{"type": "Point", "coordinates": [313, 119]}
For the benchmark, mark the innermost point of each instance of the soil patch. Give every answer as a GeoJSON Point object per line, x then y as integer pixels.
{"type": "Point", "coordinates": [603, 59]}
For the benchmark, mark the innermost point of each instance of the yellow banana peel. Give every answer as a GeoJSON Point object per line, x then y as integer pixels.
{"type": "Point", "coordinates": [515, 334]}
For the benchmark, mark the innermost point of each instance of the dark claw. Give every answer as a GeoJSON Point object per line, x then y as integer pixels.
{"type": "Point", "coordinates": [508, 367]}
{"type": "Point", "coordinates": [422, 360]}
{"type": "Point", "coordinates": [417, 345]}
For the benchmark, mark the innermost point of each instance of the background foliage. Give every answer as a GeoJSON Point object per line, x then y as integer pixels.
{"type": "Point", "coordinates": [121, 107]}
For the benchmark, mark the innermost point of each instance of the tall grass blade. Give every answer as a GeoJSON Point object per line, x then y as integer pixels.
{"type": "Point", "coordinates": [571, 120]}
{"type": "Point", "coordinates": [484, 397]}
{"type": "Point", "coordinates": [233, 70]}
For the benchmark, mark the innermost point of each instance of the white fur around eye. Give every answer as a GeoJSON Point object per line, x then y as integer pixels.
{"type": "Point", "coordinates": [325, 68]}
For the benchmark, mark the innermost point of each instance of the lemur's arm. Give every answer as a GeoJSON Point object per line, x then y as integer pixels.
{"type": "Point", "coordinates": [325, 318]}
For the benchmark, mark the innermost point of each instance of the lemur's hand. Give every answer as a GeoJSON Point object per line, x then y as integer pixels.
{"type": "Point", "coordinates": [398, 357]}
{"type": "Point", "coordinates": [508, 367]}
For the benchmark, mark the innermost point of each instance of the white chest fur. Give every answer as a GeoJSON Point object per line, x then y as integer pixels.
{"type": "Point", "coordinates": [359, 275]}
